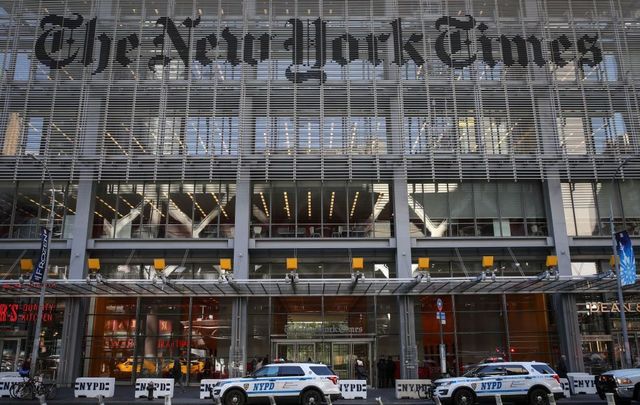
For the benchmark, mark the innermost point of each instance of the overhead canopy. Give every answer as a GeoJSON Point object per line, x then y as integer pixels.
{"type": "Point", "coordinates": [313, 287]}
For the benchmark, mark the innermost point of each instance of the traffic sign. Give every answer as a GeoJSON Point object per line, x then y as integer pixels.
{"type": "Point", "coordinates": [441, 316]}
{"type": "Point", "coordinates": [439, 304]}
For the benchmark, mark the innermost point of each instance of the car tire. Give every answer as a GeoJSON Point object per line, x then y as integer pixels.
{"type": "Point", "coordinates": [538, 396]}
{"type": "Point", "coordinates": [311, 397]}
{"type": "Point", "coordinates": [463, 396]}
{"type": "Point", "coordinates": [234, 397]}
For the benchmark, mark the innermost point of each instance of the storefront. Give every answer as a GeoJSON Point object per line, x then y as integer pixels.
{"type": "Point", "coordinates": [17, 321]}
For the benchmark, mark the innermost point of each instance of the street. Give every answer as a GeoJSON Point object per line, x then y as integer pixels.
{"type": "Point", "coordinates": [124, 395]}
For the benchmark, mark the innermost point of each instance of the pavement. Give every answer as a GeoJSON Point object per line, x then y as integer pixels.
{"type": "Point", "coordinates": [191, 395]}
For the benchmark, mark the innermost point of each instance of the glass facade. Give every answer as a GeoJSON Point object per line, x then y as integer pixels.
{"type": "Point", "coordinates": [135, 337]}
{"type": "Point", "coordinates": [255, 131]}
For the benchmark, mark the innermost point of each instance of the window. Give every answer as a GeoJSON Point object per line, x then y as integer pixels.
{"type": "Point", "coordinates": [290, 371]}
{"type": "Point", "coordinates": [34, 135]}
{"type": "Point", "coordinates": [609, 132]}
{"type": "Point", "coordinates": [543, 369]}
{"type": "Point", "coordinates": [492, 370]}
{"type": "Point", "coordinates": [322, 370]}
{"type": "Point", "coordinates": [516, 370]}
{"type": "Point", "coordinates": [268, 371]}
{"type": "Point", "coordinates": [572, 139]}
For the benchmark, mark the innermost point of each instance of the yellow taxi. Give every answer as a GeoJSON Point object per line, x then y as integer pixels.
{"type": "Point", "coordinates": [126, 367]}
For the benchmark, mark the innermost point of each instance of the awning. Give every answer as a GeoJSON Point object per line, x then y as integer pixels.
{"type": "Point", "coordinates": [313, 287]}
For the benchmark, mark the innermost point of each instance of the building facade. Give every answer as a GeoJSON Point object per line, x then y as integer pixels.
{"type": "Point", "coordinates": [324, 131]}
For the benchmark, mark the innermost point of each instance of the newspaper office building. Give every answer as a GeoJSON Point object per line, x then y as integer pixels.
{"type": "Point", "coordinates": [193, 131]}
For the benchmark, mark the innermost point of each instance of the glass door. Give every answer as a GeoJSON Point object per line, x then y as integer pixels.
{"type": "Point", "coordinates": [341, 361]}
{"type": "Point", "coordinates": [360, 351]}
{"type": "Point", "coordinates": [11, 356]}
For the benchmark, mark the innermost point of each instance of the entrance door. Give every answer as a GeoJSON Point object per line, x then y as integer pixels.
{"type": "Point", "coordinates": [340, 360]}
{"type": "Point", "coordinates": [12, 355]}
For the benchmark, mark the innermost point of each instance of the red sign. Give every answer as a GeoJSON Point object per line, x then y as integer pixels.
{"type": "Point", "coordinates": [25, 312]}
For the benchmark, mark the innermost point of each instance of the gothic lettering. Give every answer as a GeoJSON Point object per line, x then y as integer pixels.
{"type": "Point", "coordinates": [56, 46]}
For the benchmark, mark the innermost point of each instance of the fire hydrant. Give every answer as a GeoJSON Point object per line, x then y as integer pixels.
{"type": "Point", "coordinates": [150, 388]}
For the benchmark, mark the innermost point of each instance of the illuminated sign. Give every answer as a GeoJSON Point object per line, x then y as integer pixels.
{"type": "Point", "coordinates": [59, 45]}
{"type": "Point", "coordinates": [611, 307]}
{"type": "Point", "coordinates": [25, 312]}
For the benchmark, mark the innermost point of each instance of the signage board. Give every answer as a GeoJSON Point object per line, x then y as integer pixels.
{"type": "Point", "coordinates": [162, 387]}
{"type": "Point", "coordinates": [412, 389]}
{"type": "Point", "coordinates": [439, 304]}
{"type": "Point", "coordinates": [353, 389]}
{"type": "Point", "coordinates": [6, 383]}
{"type": "Point", "coordinates": [206, 388]}
{"type": "Point", "coordinates": [38, 272]}
{"type": "Point", "coordinates": [86, 387]}
{"type": "Point", "coordinates": [582, 383]}
{"type": "Point", "coordinates": [566, 387]}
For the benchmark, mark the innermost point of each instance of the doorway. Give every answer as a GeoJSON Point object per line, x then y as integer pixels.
{"type": "Point", "coordinates": [340, 355]}
{"type": "Point", "coordinates": [12, 351]}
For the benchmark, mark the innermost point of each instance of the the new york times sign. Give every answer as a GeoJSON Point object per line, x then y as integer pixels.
{"type": "Point", "coordinates": [75, 40]}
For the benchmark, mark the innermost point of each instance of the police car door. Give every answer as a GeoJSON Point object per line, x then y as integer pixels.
{"type": "Point", "coordinates": [264, 382]}
{"type": "Point", "coordinates": [291, 380]}
{"type": "Point", "coordinates": [491, 380]}
{"type": "Point", "coordinates": [517, 380]}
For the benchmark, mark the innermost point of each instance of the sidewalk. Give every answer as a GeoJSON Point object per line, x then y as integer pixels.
{"type": "Point", "coordinates": [124, 395]}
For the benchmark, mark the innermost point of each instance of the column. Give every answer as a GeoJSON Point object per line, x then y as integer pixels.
{"type": "Point", "coordinates": [564, 304]}
{"type": "Point", "coordinates": [238, 349]}
{"type": "Point", "coordinates": [408, 349]}
{"type": "Point", "coordinates": [69, 367]}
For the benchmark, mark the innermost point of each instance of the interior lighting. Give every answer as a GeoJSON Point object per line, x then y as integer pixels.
{"type": "Point", "coordinates": [219, 205]}
{"type": "Point", "coordinates": [117, 144]}
{"type": "Point", "coordinates": [264, 204]}
{"type": "Point", "coordinates": [333, 197]}
{"type": "Point", "coordinates": [286, 204]}
{"type": "Point", "coordinates": [195, 203]}
{"type": "Point", "coordinates": [309, 203]}
{"type": "Point", "coordinates": [355, 201]}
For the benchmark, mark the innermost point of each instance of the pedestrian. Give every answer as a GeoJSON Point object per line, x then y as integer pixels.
{"type": "Point", "coordinates": [259, 364]}
{"type": "Point", "coordinates": [176, 371]}
{"type": "Point", "coordinates": [391, 372]}
{"type": "Point", "coordinates": [382, 370]}
{"type": "Point", "coordinates": [252, 365]}
{"type": "Point", "coordinates": [25, 368]}
{"type": "Point", "coordinates": [361, 372]}
{"type": "Point", "coordinates": [562, 367]}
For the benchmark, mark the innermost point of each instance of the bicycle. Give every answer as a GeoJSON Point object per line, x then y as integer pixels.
{"type": "Point", "coordinates": [32, 387]}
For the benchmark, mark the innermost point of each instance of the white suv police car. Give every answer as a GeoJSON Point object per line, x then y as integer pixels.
{"type": "Point", "coordinates": [520, 381]}
{"type": "Point", "coordinates": [307, 382]}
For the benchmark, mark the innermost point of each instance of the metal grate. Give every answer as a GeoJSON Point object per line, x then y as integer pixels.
{"type": "Point", "coordinates": [211, 91]}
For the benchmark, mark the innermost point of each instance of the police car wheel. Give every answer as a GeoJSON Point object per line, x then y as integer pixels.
{"type": "Point", "coordinates": [234, 397]}
{"type": "Point", "coordinates": [311, 397]}
{"type": "Point", "coordinates": [463, 396]}
{"type": "Point", "coordinates": [538, 396]}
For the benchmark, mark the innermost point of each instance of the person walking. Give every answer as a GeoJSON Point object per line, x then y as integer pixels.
{"type": "Point", "coordinates": [361, 372]}
{"type": "Point", "coordinates": [176, 371]}
{"type": "Point", "coordinates": [562, 367]}
{"type": "Point", "coordinates": [391, 372]}
{"type": "Point", "coordinates": [382, 370]}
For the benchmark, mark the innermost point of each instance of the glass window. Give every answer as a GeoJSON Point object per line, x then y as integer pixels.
{"type": "Point", "coordinates": [572, 135]}
{"type": "Point", "coordinates": [543, 369]}
{"type": "Point", "coordinates": [322, 370]}
{"type": "Point", "coordinates": [267, 371]}
{"type": "Point", "coordinates": [34, 130]}
{"type": "Point", "coordinates": [290, 371]}
{"type": "Point", "coordinates": [515, 370]}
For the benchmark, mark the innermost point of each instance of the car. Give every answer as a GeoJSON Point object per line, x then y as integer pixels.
{"type": "Point", "coordinates": [126, 367]}
{"type": "Point", "coordinates": [624, 384]}
{"type": "Point", "coordinates": [307, 382]}
{"type": "Point", "coordinates": [515, 381]}
{"type": "Point", "coordinates": [197, 366]}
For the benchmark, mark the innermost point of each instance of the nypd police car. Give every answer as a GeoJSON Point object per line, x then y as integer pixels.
{"type": "Point", "coordinates": [520, 381]}
{"type": "Point", "coordinates": [306, 382]}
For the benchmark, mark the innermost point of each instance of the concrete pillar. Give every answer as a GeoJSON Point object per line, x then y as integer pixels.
{"type": "Point", "coordinates": [81, 229]}
{"type": "Point", "coordinates": [408, 349]}
{"type": "Point", "coordinates": [238, 349]}
{"type": "Point", "coordinates": [241, 234]}
{"type": "Point", "coordinates": [69, 368]}
{"type": "Point", "coordinates": [564, 304]}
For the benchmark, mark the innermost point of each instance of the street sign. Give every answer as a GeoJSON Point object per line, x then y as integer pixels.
{"type": "Point", "coordinates": [439, 305]}
{"type": "Point", "coordinates": [441, 315]}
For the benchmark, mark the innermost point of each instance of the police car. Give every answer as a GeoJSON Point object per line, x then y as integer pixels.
{"type": "Point", "coordinates": [306, 382]}
{"type": "Point", "coordinates": [520, 381]}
